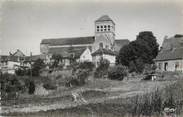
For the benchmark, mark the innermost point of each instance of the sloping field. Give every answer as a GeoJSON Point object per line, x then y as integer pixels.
{"type": "Point", "coordinates": [93, 93]}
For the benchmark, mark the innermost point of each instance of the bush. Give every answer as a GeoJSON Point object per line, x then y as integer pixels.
{"type": "Point", "coordinates": [20, 72]}
{"type": "Point", "coordinates": [49, 86]}
{"type": "Point", "coordinates": [37, 66]}
{"type": "Point", "coordinates": [149, 69]}
{"type": "Point", "coordinates": [78, 78]}
{"type": "Point", "coordinates": [82, 65]}
{"type": "Point", "coordinates": [10, 85]}
{"type": "Point", "coordinates": [30, 85]}
{"type": "Point", "coordinates": [117, 73]}
{"type": "Point", "coordinates": [101, 70]}
{"type": "Point", "coordinates": [86, 65]}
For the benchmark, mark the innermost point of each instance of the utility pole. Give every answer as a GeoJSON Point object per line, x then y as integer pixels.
{"type": "Point", "coordinates": [31, 64]}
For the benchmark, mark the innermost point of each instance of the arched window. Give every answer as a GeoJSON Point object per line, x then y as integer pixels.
{"type": "Point", "coordinates": [105, 27]}
{"type": "Point", "coordinates": [101, 28]}
{"type": "Point", "coordinates": [97, 28]}
{"type": "Point", "coordinates": [109, 27]}
{"type": "Point", "coordinates": [100, 45]}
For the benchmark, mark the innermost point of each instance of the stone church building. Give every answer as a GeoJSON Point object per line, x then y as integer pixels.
{"type": "Point", "coordinates": [91, 48]}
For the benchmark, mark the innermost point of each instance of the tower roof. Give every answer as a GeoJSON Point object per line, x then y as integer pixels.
{"type": "Point", "coordinates": [104, 18]}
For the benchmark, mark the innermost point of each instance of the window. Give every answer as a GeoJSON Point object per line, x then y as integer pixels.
{"type": "Point", "coordinates": [159, 66]}
{"type": "Point", "coordinates": [105, 27]}
{"type": "Point", "coordinates": [109, 27]}
{"type": "Point", "coordinates": [177, 66]}
{"type": "Point", "coordinates": [101, 28]}
{"type": "Point", "coordinates": [166, 66]}
{"type": "Point", "coordinates": [97, 28]}
{"type": "Point", "coordinates": [100, 45]}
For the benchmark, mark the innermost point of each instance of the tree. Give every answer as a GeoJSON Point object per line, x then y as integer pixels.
{"type": "Point", "coordinates": [56, 60]}
{"type": "Point", "coordinates": [102, 68]}
{"type": "Point", "coordinates": [37, 66]}
{"type": "Point", "coordinates": [117, 72]}
{"type": "Point", "coordinates": [139, 52]}
{"type": "Point", "coordinates": [150, 41]}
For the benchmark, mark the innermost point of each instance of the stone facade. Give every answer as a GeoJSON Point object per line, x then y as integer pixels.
{"type": "Point", "coordinates": [170, 65]}
{"type": "Point", "coordinates": [104, 38]}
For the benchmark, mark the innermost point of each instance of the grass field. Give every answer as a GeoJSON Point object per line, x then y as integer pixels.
{"type": "Point", "coordinates": [102, 98]}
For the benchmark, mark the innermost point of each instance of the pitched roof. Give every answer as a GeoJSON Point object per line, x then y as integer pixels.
{"type": "Point", "coordinates": [172, 42]}
{"type": "Point", "coordinates": [18, 53]}
{"type": "Point", "coordinates": [11, 58]}
{"type": "Point", "coordinates": [67, 51]}
{"type": "Point", "coordinates": [35, 57]}
{"type": "Point", "coordinates": [101, 51]}
{"type": "Point", "coordinates": [173, 54]}
{"type": "Point", "coordinates": [69, 41]}
{"type": "Point", "coordinates": [120, 43]}
{"type": "Point", "coordinates": [104, 18]}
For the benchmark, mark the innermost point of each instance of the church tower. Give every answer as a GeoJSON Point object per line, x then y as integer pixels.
{"type": "Point", "coordinates": [104, 33]}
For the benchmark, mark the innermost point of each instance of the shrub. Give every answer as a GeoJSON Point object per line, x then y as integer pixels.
{"type": "Point", "coordinates": [101, 70]}
{"type": "Point", "coordinates": [37, 66]}
{"type": "Point", "coordinates": [49, 86]}
{"type": "Point", "coordinates": [30, 85]}
{"type": "Point", "coordinates": [20, 72]}
{"type": "Point", "coordinates": [149, 69]}
{"type": "Point", "coordinates": [86, 65]}
{"type": "Point", "coordinates": [10, 85]}
{"type": "Point", "coordinates": [82, 65]}
{"type": "Point", "coordinates": [78, 78]}
{"type": "Point", "coordinates": [117, 73]}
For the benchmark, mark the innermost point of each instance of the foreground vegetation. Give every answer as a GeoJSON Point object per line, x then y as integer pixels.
{"type": "Point", "coordinates": [131, 98]}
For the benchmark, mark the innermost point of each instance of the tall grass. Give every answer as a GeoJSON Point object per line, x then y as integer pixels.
{"type": "Point", "coordinates": [151, 104]}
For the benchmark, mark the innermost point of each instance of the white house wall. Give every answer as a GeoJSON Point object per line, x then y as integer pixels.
{"type": "Point", "coordinates": [171, 65]}
{"type": "Point", "coordinates": [111, 59]}
{"type": "Point", "coordinates": [86, 56]}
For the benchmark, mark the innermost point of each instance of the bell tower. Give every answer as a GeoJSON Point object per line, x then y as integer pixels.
{"type": "Point", "coordinates": [104, 33]}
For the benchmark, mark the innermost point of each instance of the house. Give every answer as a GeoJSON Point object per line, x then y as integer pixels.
{"type": "Point", "coordinates": [10, 62]}
{"type": "Point", "coordinates": [86, 48]}
{"type": "Point", "coordinates": [28, 60]}
{"type": "Point", "coordinates": [170, 57]}
{"type": "Point", "coordinates": [104, 54]}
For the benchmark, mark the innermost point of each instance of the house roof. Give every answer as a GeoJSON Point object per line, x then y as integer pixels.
{"type": "Point", "coordinates": [173, 42]}
{"type": "Point", "coordinates": [67, 51]}
{"type": "Point", "coordinates": [104, 18]}
{"type": "Point", "coordinates": [35, 57]}
{"type": "Point", "coordinates": [11, 58]}
{"type": "Point", "coordinates": [69, 41]}
{"type": "Point", "coordinates": [101, 51]}
{"type": "Point", "coordinates": [120, 43]}
{"type": "Point", "coordinates": [18, 53]}
{"type": "Point", "coordinates": [171, 54]}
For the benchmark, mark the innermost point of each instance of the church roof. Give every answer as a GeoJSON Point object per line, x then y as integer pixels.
{"type": "Point", "coordinates": [172, 54]}
{"type": "Point", "coordinates": [69, 41]}
{"type": "Point", "coordinates": [101, 51]}
{"type": "Point", "coordinates": [67, 51]}
{"type": "Point", "coordinates": [104, 18]}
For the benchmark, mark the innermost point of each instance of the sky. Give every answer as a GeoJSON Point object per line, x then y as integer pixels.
{"type": "Point", "coordinates": [24, 23]}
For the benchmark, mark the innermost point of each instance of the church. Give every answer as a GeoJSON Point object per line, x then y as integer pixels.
{"type": "Point", "coordinates": [91, 48]}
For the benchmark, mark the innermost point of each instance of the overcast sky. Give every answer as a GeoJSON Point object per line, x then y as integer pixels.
{"type": "Point", "coordinates": [25, 23]}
